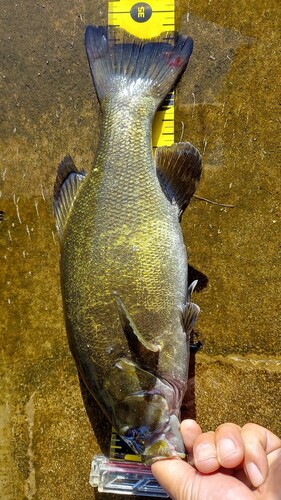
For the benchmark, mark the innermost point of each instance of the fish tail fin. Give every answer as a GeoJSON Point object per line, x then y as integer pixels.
{"type": "Point", "coordinates": [120, 63]}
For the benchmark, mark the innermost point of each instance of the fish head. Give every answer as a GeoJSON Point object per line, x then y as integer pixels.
{"type": "Point", "coordinates": [145, 424]}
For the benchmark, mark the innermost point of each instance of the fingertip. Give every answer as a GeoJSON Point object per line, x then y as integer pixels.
{"type": "Point", "coordinates": [229, 445]}
{"type": "Point", "coordinates": [254, 474]}
{"type": "Point", "coordinates": [256, 448]}
{"type": "Point", "coordinates": [190, 431]}
{"type": "Point", "coordinates": [256, 463]}
{"type": "Point", "coordinates": [190, 425]}
{"type": "Point", "coordinates": [205, 458]}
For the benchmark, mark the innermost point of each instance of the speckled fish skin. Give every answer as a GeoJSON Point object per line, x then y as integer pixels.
{"type": "Point", "coordinates": [123, 256]}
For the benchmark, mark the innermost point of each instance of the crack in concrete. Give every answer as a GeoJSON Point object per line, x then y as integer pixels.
{"type": "Point", "coordinates": [8, 473]}
{"type": "Point", "coordinates": [30, 482]}
{"type": "Point", "coordinates": [272, 364]}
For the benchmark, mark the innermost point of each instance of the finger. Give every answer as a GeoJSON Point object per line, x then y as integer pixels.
{"type": "Point", "coordinates": [175, 476]}
{"type": "Point", "coordinates": [190, 431]}
{"type": "Point", "coordinates": [259, 442]}
{"type": "Point", "coordinates": [205, 453]}
{"type": "Point", "coordinates": [229, 445]}
{"type": "Point", "coordinates": [272, 483]}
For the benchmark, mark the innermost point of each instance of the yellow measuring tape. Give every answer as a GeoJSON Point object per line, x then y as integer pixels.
{"type": "Point", "coordinates": [141, 19]}
{"type": "Point", "coordinates": [145, 20]}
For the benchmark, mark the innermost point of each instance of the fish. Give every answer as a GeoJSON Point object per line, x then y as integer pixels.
{"type": "Point", "coordinates": [123, 266]}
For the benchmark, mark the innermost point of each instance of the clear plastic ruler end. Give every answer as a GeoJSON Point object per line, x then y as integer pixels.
{"type": "Point", "coordinates": [123, 472]}
{"type": "Point", "coordinates": [124, 478]}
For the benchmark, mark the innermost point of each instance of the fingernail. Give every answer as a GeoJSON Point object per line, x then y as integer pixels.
{"type": "Point", "coordinates": [254, 474]}
{"type": "Point", "coordinates": [227, 447]}
{"type": "Point", "coordinates": [205, 452]}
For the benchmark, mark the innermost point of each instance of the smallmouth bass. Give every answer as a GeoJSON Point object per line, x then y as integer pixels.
{"type": "Point", "coordinates": [127, 304]}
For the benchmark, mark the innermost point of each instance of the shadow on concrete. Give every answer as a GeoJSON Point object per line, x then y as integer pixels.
{"type": "Point", "coordinates": [188, 408]}
{"type": "Point", "coordinates": [195, 274]}
{"type": "Point", "coordinates": [99, 422]}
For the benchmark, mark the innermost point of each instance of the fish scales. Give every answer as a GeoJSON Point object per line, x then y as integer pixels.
{"type": "Point", "coordinates": [138, 250]}
{"type": "Point", "coordinates": [123, 259]}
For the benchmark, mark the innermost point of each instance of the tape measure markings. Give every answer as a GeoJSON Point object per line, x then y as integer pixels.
{"type": "Point", "coordinates": [122, 15]}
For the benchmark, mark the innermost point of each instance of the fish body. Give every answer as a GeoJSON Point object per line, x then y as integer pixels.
{"type": "Point", "coordinates": [123, 259]}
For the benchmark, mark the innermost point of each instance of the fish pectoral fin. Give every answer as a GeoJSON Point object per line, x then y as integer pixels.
{"type": "Point", "coordinates": [190, 313]}
{"type": "Point", "coordinates": [146, 351]}
{"type": "Point", "coordinates": [139, 396]}
{"type": "Point", "coordinates": [179, 170]}
{"type": "Point", "coordinates": [67, 184]}
{"type": "Point", "coordinates": [126, 377]}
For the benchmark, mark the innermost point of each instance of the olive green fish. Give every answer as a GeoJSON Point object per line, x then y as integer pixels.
{"type": "Point", "coordinates": [127, 304]}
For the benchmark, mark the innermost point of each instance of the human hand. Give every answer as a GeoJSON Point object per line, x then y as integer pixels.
{"type": "Point", "coordinates": [231, 463]}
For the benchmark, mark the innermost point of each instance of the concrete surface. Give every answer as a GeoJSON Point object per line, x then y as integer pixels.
{"type": "Point", "coordinates": [227, 102]}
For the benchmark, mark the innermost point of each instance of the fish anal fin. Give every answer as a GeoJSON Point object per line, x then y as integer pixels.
{"type": "Point", "coordinates": [145, 351]}
{"type": "Point", "coordinates": [179, 170]}
{"type": "Point", "coordinates": [66, 186]}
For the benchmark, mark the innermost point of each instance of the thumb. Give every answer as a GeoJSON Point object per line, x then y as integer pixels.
{"type": "Point", "coordinates": [175, 476]}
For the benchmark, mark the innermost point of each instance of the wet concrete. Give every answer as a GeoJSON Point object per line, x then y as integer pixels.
{"type": "Point", "coordinates": [228, 103]}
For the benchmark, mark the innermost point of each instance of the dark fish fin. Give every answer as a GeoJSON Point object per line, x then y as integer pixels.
{"type": "Point", "coordinates": [118, 61]}
{"type": "Point", "coordinates": [145, 351]}
{"type": "Point", "coordinates": [67, 183]}
{"type": "Point", "coordinates": [179, 170]}
{"type": "Point", "coordinates": [190, 311]}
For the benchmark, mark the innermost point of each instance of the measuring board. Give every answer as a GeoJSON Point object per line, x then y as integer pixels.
{"type": "Point", "coordinates": [145, 21]}
{"type": "Point", "coordinates": [148, 20]}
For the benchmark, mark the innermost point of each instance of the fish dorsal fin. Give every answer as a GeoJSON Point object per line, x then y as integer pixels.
{"type": "Point", "coordinates": [145, 351]}
{"type": "Point", "coordinates": [179, 169]}
{"type": "Point", "coordinates": [190, 311]}
{"type": "Point", "coordinates": [67, 183]}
